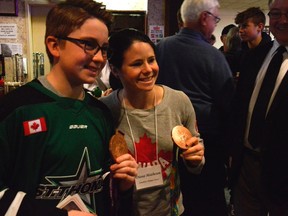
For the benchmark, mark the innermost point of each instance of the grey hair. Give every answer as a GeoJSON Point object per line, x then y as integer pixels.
{"type": "Point", "coordinates": [191, 9]}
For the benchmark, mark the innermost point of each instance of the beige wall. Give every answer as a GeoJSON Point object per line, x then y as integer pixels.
{"type": "Point", "coordinates": [35, 42]}
{"type": "Point", "coordinates": [38, 18]}
{"type": "Point", "coordinates": [20, 21]}
{"type": "Point", "coordinates": [31, 29]}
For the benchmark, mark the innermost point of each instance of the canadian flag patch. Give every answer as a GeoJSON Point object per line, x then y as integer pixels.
{"type": "Point", "coordinates": [34, 126]}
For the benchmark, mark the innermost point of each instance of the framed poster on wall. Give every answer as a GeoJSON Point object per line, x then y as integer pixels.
{"type": "Point", "coordinates": [8, 7]}
{"type": "Point", "coordinates": [156, 33]}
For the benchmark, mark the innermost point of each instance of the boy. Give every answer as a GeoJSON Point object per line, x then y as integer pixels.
{"type": "Point", "coordinates": [53, 135]}
{"type": "Point", "coordinates": [251, 23]}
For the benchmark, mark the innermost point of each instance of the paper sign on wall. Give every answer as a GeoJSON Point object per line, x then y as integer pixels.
{"type": "Point", "coordinates": [8, 31]}
{"type": "Point", "coordinates": [156, 33]}
{"type": "Point", "coordinates": [9, 49]}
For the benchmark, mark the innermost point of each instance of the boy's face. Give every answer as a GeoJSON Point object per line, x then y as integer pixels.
{"type": "Point", "coordinates": [75, 62]}
{"type": "Point", "coordinates": [248, 31]}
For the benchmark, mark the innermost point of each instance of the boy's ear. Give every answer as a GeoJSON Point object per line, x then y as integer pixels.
{"type": "Point", "coordinates": [52, 45]}
{"type": "Point", "coordinates": [261, 26]}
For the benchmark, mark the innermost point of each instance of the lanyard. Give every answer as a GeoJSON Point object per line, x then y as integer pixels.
{"type": "Point", "coordinates": [130, 128]}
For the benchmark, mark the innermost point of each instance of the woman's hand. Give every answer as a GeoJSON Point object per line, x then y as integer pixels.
{"type": "Point", "coordinates": [125, 169]}
{"type": "Point", "coordinates": [195, 152]}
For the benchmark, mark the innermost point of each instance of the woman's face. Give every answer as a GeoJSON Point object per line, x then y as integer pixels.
{"type": "Point", "coordinates": [139, 70]}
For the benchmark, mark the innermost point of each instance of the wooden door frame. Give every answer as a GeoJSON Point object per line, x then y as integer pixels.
{"type": "Point", "coordinates": [171, 8]}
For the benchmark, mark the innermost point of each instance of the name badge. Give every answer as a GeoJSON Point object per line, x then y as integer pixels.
{"type": "Point", "coordinates": [149, 176]}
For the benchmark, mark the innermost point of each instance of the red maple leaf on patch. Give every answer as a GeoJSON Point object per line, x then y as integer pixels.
{"type": "Point", "coordinates": [35, 126]}
{"type": "Point", "coordinates": [146, 150]}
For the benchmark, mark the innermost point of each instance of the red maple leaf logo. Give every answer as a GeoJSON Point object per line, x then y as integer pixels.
{"type": "Point", "coordinates": [146, 153]}
{"type": "Point", "coordinates": [35, 126]}
{"type": "Point", "coordinates": [146, 150]}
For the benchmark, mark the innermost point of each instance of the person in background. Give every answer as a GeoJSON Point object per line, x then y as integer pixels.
{"type": "Point", "coordinates": [233, 51]}
{"type": "Point", "coordinates": [179, 19]}
{"type": "Point", "coordinates": [189, 63]}
{"type": "Point", "coordinates": [212, 39]}
{"type": "Point", "coordinates": [251, 23]}
{"type": "Point", "coordinates": [260, 150]}
{"type": "Point", "coordinates": [101, 86]}
{"type": "Point", "coordinates": [223, 36]}
{"type": "Point", "coordinates": [54, 136]}
{"type": "Point", "coordinates": [146, 113]}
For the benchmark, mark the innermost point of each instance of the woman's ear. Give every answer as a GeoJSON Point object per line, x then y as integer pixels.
{"type": "Point", "coordinates": [52, 45]}
{"type": "Point", "coordinates": [114, 71]}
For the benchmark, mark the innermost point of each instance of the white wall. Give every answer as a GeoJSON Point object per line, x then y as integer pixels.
{"type": "Point", "coordinates": [140, 5]}
{"type": "Point", "coordinates": [227, 17]}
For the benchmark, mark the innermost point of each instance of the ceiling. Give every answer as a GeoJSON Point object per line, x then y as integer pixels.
{"type": "Point", "coordinates": [243, 4]}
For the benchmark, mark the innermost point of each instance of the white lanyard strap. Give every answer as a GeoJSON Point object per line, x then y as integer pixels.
{"type": "Point", "coordinates": [131, 132]}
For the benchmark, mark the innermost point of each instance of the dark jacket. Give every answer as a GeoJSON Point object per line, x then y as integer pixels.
{"type": "Point", "coordinates": [265, 39]}
{"type": "Point", "coordinates": [275, 136]}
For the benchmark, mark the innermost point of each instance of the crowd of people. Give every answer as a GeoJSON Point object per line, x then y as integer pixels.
{"type": "Point", "coordinates": [55, 130]}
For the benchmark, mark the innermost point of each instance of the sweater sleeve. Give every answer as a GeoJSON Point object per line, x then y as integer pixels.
{"type": "Point", "coordinates": [11, 202]}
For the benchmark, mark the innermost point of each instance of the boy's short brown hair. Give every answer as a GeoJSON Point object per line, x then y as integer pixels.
{"type": "Point", "coordinates": [254, 13]}
{"type": "Point", "coordinates": [70, 15]}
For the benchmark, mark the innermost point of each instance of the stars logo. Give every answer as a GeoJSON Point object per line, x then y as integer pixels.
{"type": "Point", "coordinates": [84, 182]}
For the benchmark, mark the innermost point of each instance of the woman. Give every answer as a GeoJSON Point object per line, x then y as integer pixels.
{"type": "Point", "coordinates": [146, 113]}
{"type": "Point", "coordinates": [233, 52]}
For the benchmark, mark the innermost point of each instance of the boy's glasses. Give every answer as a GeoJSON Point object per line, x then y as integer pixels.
{"type": "Point", "coordinates": [89, 47]}
{"type": "Point", "coordinates": [217, 19]}
{"type": "Point", "coordinates": [277, 14]}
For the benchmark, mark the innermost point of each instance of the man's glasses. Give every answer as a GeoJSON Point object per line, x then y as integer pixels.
{"type": "Point", "coordinates": [90, 47]}
{"type": "Point", "coordinates": [277, 14]}
{"type": "Point", "coordinates": [217, 19]}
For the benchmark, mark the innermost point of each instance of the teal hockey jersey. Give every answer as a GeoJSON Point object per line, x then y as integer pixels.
{"type": "Point", "coordinates": [52, 147]}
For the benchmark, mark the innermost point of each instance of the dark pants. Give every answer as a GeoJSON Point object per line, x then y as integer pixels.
{"type": "Point", "coordinates": [250, 197]}
{"type": "Point", "coordinates": [203, 195]}
{"type": "Point", "coordinates": [248, 192]}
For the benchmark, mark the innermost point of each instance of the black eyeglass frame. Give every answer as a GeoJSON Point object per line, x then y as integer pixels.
{"type": "Point", "coordinates": [276, 14]}
{"type": "Point", "coordinates": [94, 46]}
{"type": "Point", "coordinates": [217, 19]}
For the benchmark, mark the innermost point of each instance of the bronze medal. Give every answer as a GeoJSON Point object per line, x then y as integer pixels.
{"type": "Point", "coordinates": [180, 135]}
{"type": "Point", "coordinates": [118, 145]}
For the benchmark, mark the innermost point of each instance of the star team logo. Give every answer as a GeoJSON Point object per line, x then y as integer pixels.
{"type": "Point", "coordinates": [85, 182]}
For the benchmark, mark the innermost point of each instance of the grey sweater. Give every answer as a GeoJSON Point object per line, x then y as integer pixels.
{"type": "Point", "coordinates": [175, 109]}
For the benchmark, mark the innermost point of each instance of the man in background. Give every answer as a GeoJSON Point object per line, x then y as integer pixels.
{"type": "Point", "coordinates": [189, 63]}
{"type": "Point", "coordinates": [260, 153]}
{"type": "Point", "coordinates": [212, 40]}
{"type": "Point", "coordinates": [251, 23]}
